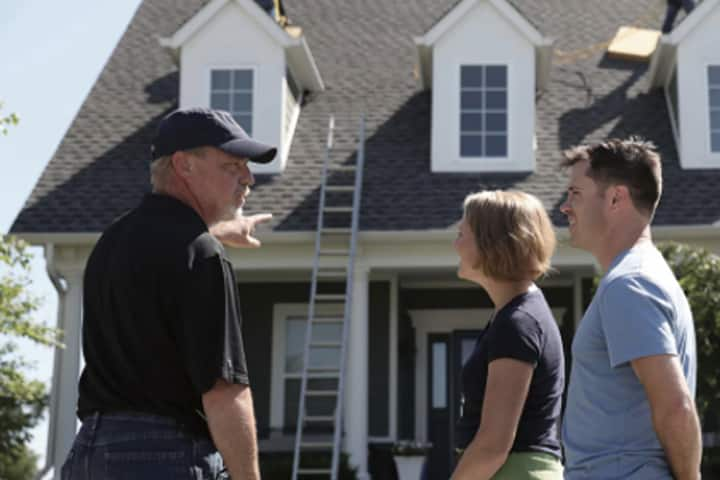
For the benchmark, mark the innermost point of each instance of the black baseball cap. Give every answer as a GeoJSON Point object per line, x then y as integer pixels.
{"type": "Point", "coordinates": [189, 128]}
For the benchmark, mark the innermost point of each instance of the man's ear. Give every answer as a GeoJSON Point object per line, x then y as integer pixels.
{"type": "Point", "coordinates": [182, 164]}
{"type": "Point", "coordinates": [620, 196]}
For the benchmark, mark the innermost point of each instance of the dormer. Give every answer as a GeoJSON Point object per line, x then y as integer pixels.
{"type": "Point", "coordinates": [234, 56]}
{"type": "Point", "coordinates": [686, 65]}
{"type": "Point", "coordinates": [484, 62]}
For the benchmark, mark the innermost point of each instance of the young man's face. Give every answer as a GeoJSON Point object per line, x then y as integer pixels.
{"type": "Point", "coordinates": [585, 209]}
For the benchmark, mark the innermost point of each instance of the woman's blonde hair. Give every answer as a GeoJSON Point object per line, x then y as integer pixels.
{"type": "Point", "coordinates": [514, 236]}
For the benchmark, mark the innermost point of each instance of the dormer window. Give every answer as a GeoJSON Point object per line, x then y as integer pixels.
{"type": "Point", "coordinates": [483, 111]}
{"type": "Point", "coordinates": [714, 101]}
{"type": "Point", "coordinates": [232, 90]}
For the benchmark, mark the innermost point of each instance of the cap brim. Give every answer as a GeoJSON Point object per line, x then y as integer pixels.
{"type": "Point", "coordinates": [252, 150]}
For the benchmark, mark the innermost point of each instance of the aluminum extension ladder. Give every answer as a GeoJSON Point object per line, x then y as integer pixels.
{"type": "Point", "coordinates": [320, 411]}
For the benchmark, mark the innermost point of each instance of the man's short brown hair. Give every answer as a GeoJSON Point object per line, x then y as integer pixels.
{"type": "Point", "coordinates": [633, 163]}
{"type": "Point", "coordinates": [513, 233]}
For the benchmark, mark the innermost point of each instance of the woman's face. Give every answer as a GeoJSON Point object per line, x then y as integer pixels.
{"type": "Point", "coordinates": [466, 248]}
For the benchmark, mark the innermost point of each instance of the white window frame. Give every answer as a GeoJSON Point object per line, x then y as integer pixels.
{"type": "Point", "coordinates": [253, 92]}
{"type": "Point", "coordinates": [484, 111]}
{"type": "Point", "coordinates": [281, 313]}
{"type": "Point", "coordinates": [715, 154]}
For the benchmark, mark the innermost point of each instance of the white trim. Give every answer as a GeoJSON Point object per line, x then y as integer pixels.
{"type": "Point", "coordinates": [281, 312]}
{"type": "Point", "coordinates": [181, 36]}
{"type": "Point", "coordinates": [289, 134]}
{"type": "Point", "coordinates": [393, 358]}
{"type": "Point", "coordinates": [437, 321]}
{"type": "Point", "coordinates": [461, 10]}
{"type": "Point", "coordinates": [674, 115]}
{"type": "Point", "coordinates": [696, 17]}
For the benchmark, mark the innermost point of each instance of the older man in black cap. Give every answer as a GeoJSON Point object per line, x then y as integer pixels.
{"type": "Point", "coordinates": [165, 385]}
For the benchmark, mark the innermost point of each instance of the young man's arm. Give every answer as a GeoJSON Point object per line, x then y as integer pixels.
{"type": "Point", "coordinates": [231, 418]}
{"type": "Point", "coordinates": [673, 413]}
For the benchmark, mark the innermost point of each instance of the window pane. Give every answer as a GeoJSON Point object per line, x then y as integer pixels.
{"type": "Point", "coordinates": [715, 142]}
{"type": "Point", "coordinates": [715, 120]}
{"type": "Point", "coordinates": [220, 80]}
{"type": "Point", "coordinates": [496, 76]}
{"type": "Point", "coordinates": [496, 100]}
{"type": "Point", "coordinates": [471, 146]}
{"type": "Point", "coordinates": [292, 401]}
{"type": "Point", "coordinates": [245, 122]}
{"type": "Point", "coordinates": [220, 101]}
{"type": "Point", "coordinates": [471, 100]}
{"type": "Point", "coordinates": [471, 76]}
{"type": "Point", "coordinates": [467, 345]}
{"type": "Point", "coordinates": [496, 122]}
{"type": "Point", "coordinates": [439, 375]}
{"type": "Point", "coordinates": [325, 357]}
{"type": "Point", "coordinates": [242, 102]}
{"type": "Point", "coordinates": [496, 146]}
{"type": "Point", "coordinates": [715, 97]}
{"type": "Point", "coordinates": [242, 79]}
{"type": "Point", "coordinates": [471, 122]}
{"type": "Point", "coordinates": [327, 332]}
{"type": "Point", "coordinates": [294, 345]}
{"type": "Point", "coordinates": [714, 75]}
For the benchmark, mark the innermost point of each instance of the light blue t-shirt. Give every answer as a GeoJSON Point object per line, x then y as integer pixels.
{"type": "Point", "coordinates": [639, 310]}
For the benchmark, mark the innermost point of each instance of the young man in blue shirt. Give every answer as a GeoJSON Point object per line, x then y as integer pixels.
{"type": "Point", "coordinates": [630, 406]}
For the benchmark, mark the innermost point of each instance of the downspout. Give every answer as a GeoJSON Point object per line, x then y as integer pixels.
{"type": "Point", "coordinates": [61, 289]}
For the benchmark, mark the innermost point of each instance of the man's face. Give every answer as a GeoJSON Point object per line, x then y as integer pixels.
{"type": "Point", "coordinates": [585, 209]}
{"type": "Point", "coordinates": [221, 182]}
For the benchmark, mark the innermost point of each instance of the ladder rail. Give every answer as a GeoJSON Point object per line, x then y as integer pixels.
{"type": "Point", "coordinates": [311, 305]}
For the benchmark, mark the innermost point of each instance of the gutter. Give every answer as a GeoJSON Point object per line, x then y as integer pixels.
{"type": "Point", "coordinates": [61, 289]}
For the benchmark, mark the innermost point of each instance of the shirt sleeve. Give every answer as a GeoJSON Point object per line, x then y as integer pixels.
{"type": "Point", "coordinates": [636, 319]}
{"type": "Point", "coordinates": [516, 336]}
{"type": "Point", "coordinates": [210, 338]}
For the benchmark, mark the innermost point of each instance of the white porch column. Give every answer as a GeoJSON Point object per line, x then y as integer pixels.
{"type": "Point", "coordinates": [356, 384]}
{"type": "Point", "coordinates": [67, 370]}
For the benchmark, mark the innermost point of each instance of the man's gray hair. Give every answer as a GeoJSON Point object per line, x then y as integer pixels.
{"type": "Point", "coordinates": [159, 171]}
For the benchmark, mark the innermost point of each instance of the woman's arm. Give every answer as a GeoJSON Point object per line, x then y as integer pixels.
{"type": "Point", "coordinates": [506, 390]}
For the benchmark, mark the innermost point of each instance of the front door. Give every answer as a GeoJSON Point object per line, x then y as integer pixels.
{"type": "Point", "coordinates": [446, 354]}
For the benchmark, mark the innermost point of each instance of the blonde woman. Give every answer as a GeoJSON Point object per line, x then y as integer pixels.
{"type": "Point", "coordinates": [513, 381]}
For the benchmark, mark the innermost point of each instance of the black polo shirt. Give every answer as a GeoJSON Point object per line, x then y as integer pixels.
{"type": "Point", "coordinates": [161, 318]}
{"type": "Point", "coordinates": [524, 329]}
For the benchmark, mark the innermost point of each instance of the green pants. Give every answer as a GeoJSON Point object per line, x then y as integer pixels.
{"type": "Point", "coordinates": [530, 466]}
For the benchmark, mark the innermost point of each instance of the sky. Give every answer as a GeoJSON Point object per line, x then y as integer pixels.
{"type": "Point", "coordinates": [51, 53]}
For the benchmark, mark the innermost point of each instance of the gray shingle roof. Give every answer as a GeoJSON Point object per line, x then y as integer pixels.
{"type": "Point", "coordinates": [365, 53]}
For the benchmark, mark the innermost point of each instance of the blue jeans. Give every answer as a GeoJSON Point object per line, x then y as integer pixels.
{"type": "Point", "coordinates": [139, 447]}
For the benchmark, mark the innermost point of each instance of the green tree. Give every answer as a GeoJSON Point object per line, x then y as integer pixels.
{"type": "Point", "coordinates": [21, 400]}
{"type": "Point", "coordinates": [698, 272]}
{"type": "Point", "coordinates": [22, 467]}
{"type": "Point", "coordinates": [7, 120]}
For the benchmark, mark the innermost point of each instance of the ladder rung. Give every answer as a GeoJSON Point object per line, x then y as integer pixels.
{"type": "Point", "coordinates": [330, 297]}
{"type": "Point", "coordinates": [340, 188]}
{"type": "Point", "coordinates": [341, 168]}
{"type": "Point", "coordinates": [325, 345]}
{"type": "Point", "coordinates": [339, 252]}
{"type": "Point", "coordinates": [321, 393]}
{"type": "Point", "coordinates": [336, 230]}
{"type": "Point", "coordinates": [319, 418]}
{"type": "Point", "coordinates": [327, 320]}
{"type": "Point", "coordinates": [314, 471]}
{"type": "Point", "coordinates": [316, 444]}
{"type": "Point", "coordinates": [331, 273]}
{"type": "Point", "coordinates": [339, 209]}
{"type": "Point", "coordinates": [328, 370]}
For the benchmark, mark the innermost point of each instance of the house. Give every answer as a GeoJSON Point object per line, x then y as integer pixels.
{"type": "Point", "coordinates": [459, 96]}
